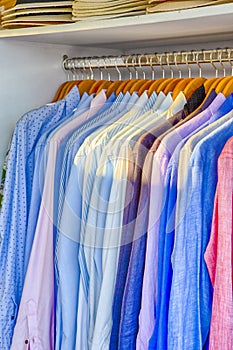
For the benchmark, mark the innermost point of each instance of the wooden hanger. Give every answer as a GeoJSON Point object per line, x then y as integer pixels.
{"type": "Point", "coordinates": [85, 86]}
{"type": "Point", "coordinates": [94, 88]}
{"type": "Point", "coordinates": [228, 88]}
{"type": "Point", "coordinates": [136, 87]}
{"type": "Point", "coordinates": [222, 84]}
{"type": "Point", "coordinates": [155, 84]}
{"type": "Point", "coordinates": [180, 86]}
{"type": "Point", "coordinates": [193, 86]}
{"type": "Point", "coordinates": [56, 97]}
{"type": "Point", "coordinates": [67, 88]}
{"type": "Point", "coordinates": [171, 86]}
{"type": "Point", "coordinates": [104, 86]}
{"type": "Point", "coordinates": [145, 87]}
{"type": "Point", "coordinates": [115, 87]}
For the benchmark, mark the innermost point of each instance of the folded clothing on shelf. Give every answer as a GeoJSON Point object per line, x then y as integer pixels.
{"type": "Point", "coordinates": [36, 13]}
{"type": "Point", "coordinates": [176, 5]}
{"type": "Point", "coordinates": [103, 9]}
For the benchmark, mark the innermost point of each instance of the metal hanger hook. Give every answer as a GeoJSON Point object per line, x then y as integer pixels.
{"type": "Point", "coordinates": [176, 64]}
{"type": "Point", "coordinates": [127, 66]}
{"type": "Point", "coordinates": [213, 65]}
{"type": "Point", "coordinates": [196, 59]}
{"type": "Point", "coordinates": [134, 63]}
{"type": "Point", "coordinates": [152, 68]}
{"type": "Point", "coordinates": [118, 70]}
{"type": "Point", "coordinates": [168, 64]}
{"type": "Point", "coordinates": [219, 51]}
{"type": "Point", "coordinates": [187, 64]}
{"type": "Point", "coordinates": [160, 58]}
{"type": "Point", "coordinates": [140, 65]}
{"type": "Point", "coordinates": [230, 60]}
{"type": "Point", "coordinates": [88, 59]}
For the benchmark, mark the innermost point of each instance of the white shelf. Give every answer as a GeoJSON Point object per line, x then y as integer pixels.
{"type": "Point", "coordinates": [195, 25]}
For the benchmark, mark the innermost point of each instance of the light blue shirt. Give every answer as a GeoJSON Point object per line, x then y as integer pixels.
{"type": "Point", "coordinates": [14, 213]}
{"type": "Point", "coordinates": [191, 290]}
{"type": "Point", "coordinates": [67, 269]}
{"type": "Point", "coordinates": [41, 152]}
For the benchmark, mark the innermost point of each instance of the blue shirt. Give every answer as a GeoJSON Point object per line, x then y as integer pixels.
{"type": "Point", "coordinates": [166, 238]}
{"type": "Point", "coordinates": [41, 151]}
{"type": "Point", "coordinates": [66, 248]}
{"type": "Point", "coordinates": [14, 213]}
{"type": "Point", "coordinates": [191, 290]}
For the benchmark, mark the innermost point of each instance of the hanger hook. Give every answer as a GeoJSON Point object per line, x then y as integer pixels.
{"type": "Point", "coordinates": [196, 59]}
{"type": "Point", "coordinates": [65, 66]}
{"type": "Point", "coordinates": [187, 64]}
{"type": "Point", "coordinates": [140, 65]}
{"type": "Point", "coordinates": [84, 69]}
{"type": "Point", "coordinates": [213, 65]}
{"type": "Point", "coordinates": [229, 60]}
{"type": "Point", "coordinates": [151, 66]}
{"type": "Point", "coordinates": [88, 60]}
{"type": "Point", "coordinates": [134, 62]}
{"type": "Point", "coordinates": [219, 51]}
{"type": "Point", "coordinates": [167, 54]}
{"type": "Point", "coordinates": [160, 57]}
{"type": "Point", "coordinates": [100, 68]}
{"type": "Point", "coordinates": [127, 66]}
{"type": "Point", "coordinates": [176, 64]}
{"type": "Point", "coordinates": [117, 69]}
{"type": "Point", "coordinates": [107, 70]}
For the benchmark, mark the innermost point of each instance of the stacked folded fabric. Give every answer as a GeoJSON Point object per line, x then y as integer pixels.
{"type": "Point", "coordinates": [31, 13]}
{"type": "Point", "coordinates": [103, 9]}
{"type": "Point", "coordinates": [176, 5]}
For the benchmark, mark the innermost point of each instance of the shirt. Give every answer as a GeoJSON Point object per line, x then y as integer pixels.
{"type": "Point", "coordinates": [159, 338]}
{"type": "Point", "coordinates": [35, 321]}
{"type": "Point", "coordinates": [149, 289]}
{"type": "Point", "coordinates": [132, 300]}
{"type": "Point", "coordinates": [67, 247]}
{"type": "Point", "coordinates": [128, 225]}
{"type": "Point", "coordinates": [218, 255]}
{"type": "Point", "coordinates": [109, 222]}
{"type": "Point", "coordinates": [41, 151]}
{"type": "Point", "coordinates": [14, 213]}
{"type": "Point", "coordinates": [93, 154]}
{"type": "Point", "coordinates": [188, 325]}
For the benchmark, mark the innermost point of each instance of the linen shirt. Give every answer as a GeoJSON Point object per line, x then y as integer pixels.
{"type": "Point", "coordinates": [128, 224]}
{"type": "Point", "coordinates": [218, 255]}
{"type": "Point", "coordinates": [93, 153]}
{"type": "Point", "coordinates": [188, 324]}
{"type": "Point", "coordinates": [159, 338]}
{"type": "Point", "coordinates": [41, 152]}
{"type": "Point", "coordinates": [106, 258]}
{"type": "Point", "coordinates": [192, 142]}
{"type": "Point", "coordinates": [131, 300]}
{"type": "Point", "coordinates": [14, 212]}
{"type": "Point", "coordinates": [149, 289]}
{"type": "Point", "coordinates": [35, 321]}
{"type": "Point", "coordinates": [67, 250]}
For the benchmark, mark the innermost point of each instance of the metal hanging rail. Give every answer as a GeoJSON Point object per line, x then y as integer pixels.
{"type": "Point", "coordinates": [150, 60]}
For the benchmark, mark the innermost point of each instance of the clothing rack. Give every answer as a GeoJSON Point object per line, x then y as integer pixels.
{"type": "Point", "coordinates": [165, 59]}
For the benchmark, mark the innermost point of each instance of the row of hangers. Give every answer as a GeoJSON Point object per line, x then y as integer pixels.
{"type": "Point", "coordinates": [187, 85]}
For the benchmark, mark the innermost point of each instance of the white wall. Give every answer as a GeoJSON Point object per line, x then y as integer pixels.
{"type": "Point", "coordinates": [30, 75]}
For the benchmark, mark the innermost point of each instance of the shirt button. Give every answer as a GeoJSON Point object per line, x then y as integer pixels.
{"type": "Point", "coordinates": [26, 341]}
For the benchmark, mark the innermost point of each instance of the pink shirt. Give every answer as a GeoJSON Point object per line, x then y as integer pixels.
{"type": "Point", "coordinates": [218, 255]}
{"type": "Point", "coordinates": [35, 320]}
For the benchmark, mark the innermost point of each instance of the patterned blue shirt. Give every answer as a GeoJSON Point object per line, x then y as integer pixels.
{"type": "Point", "coordinates": [14, 213]}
